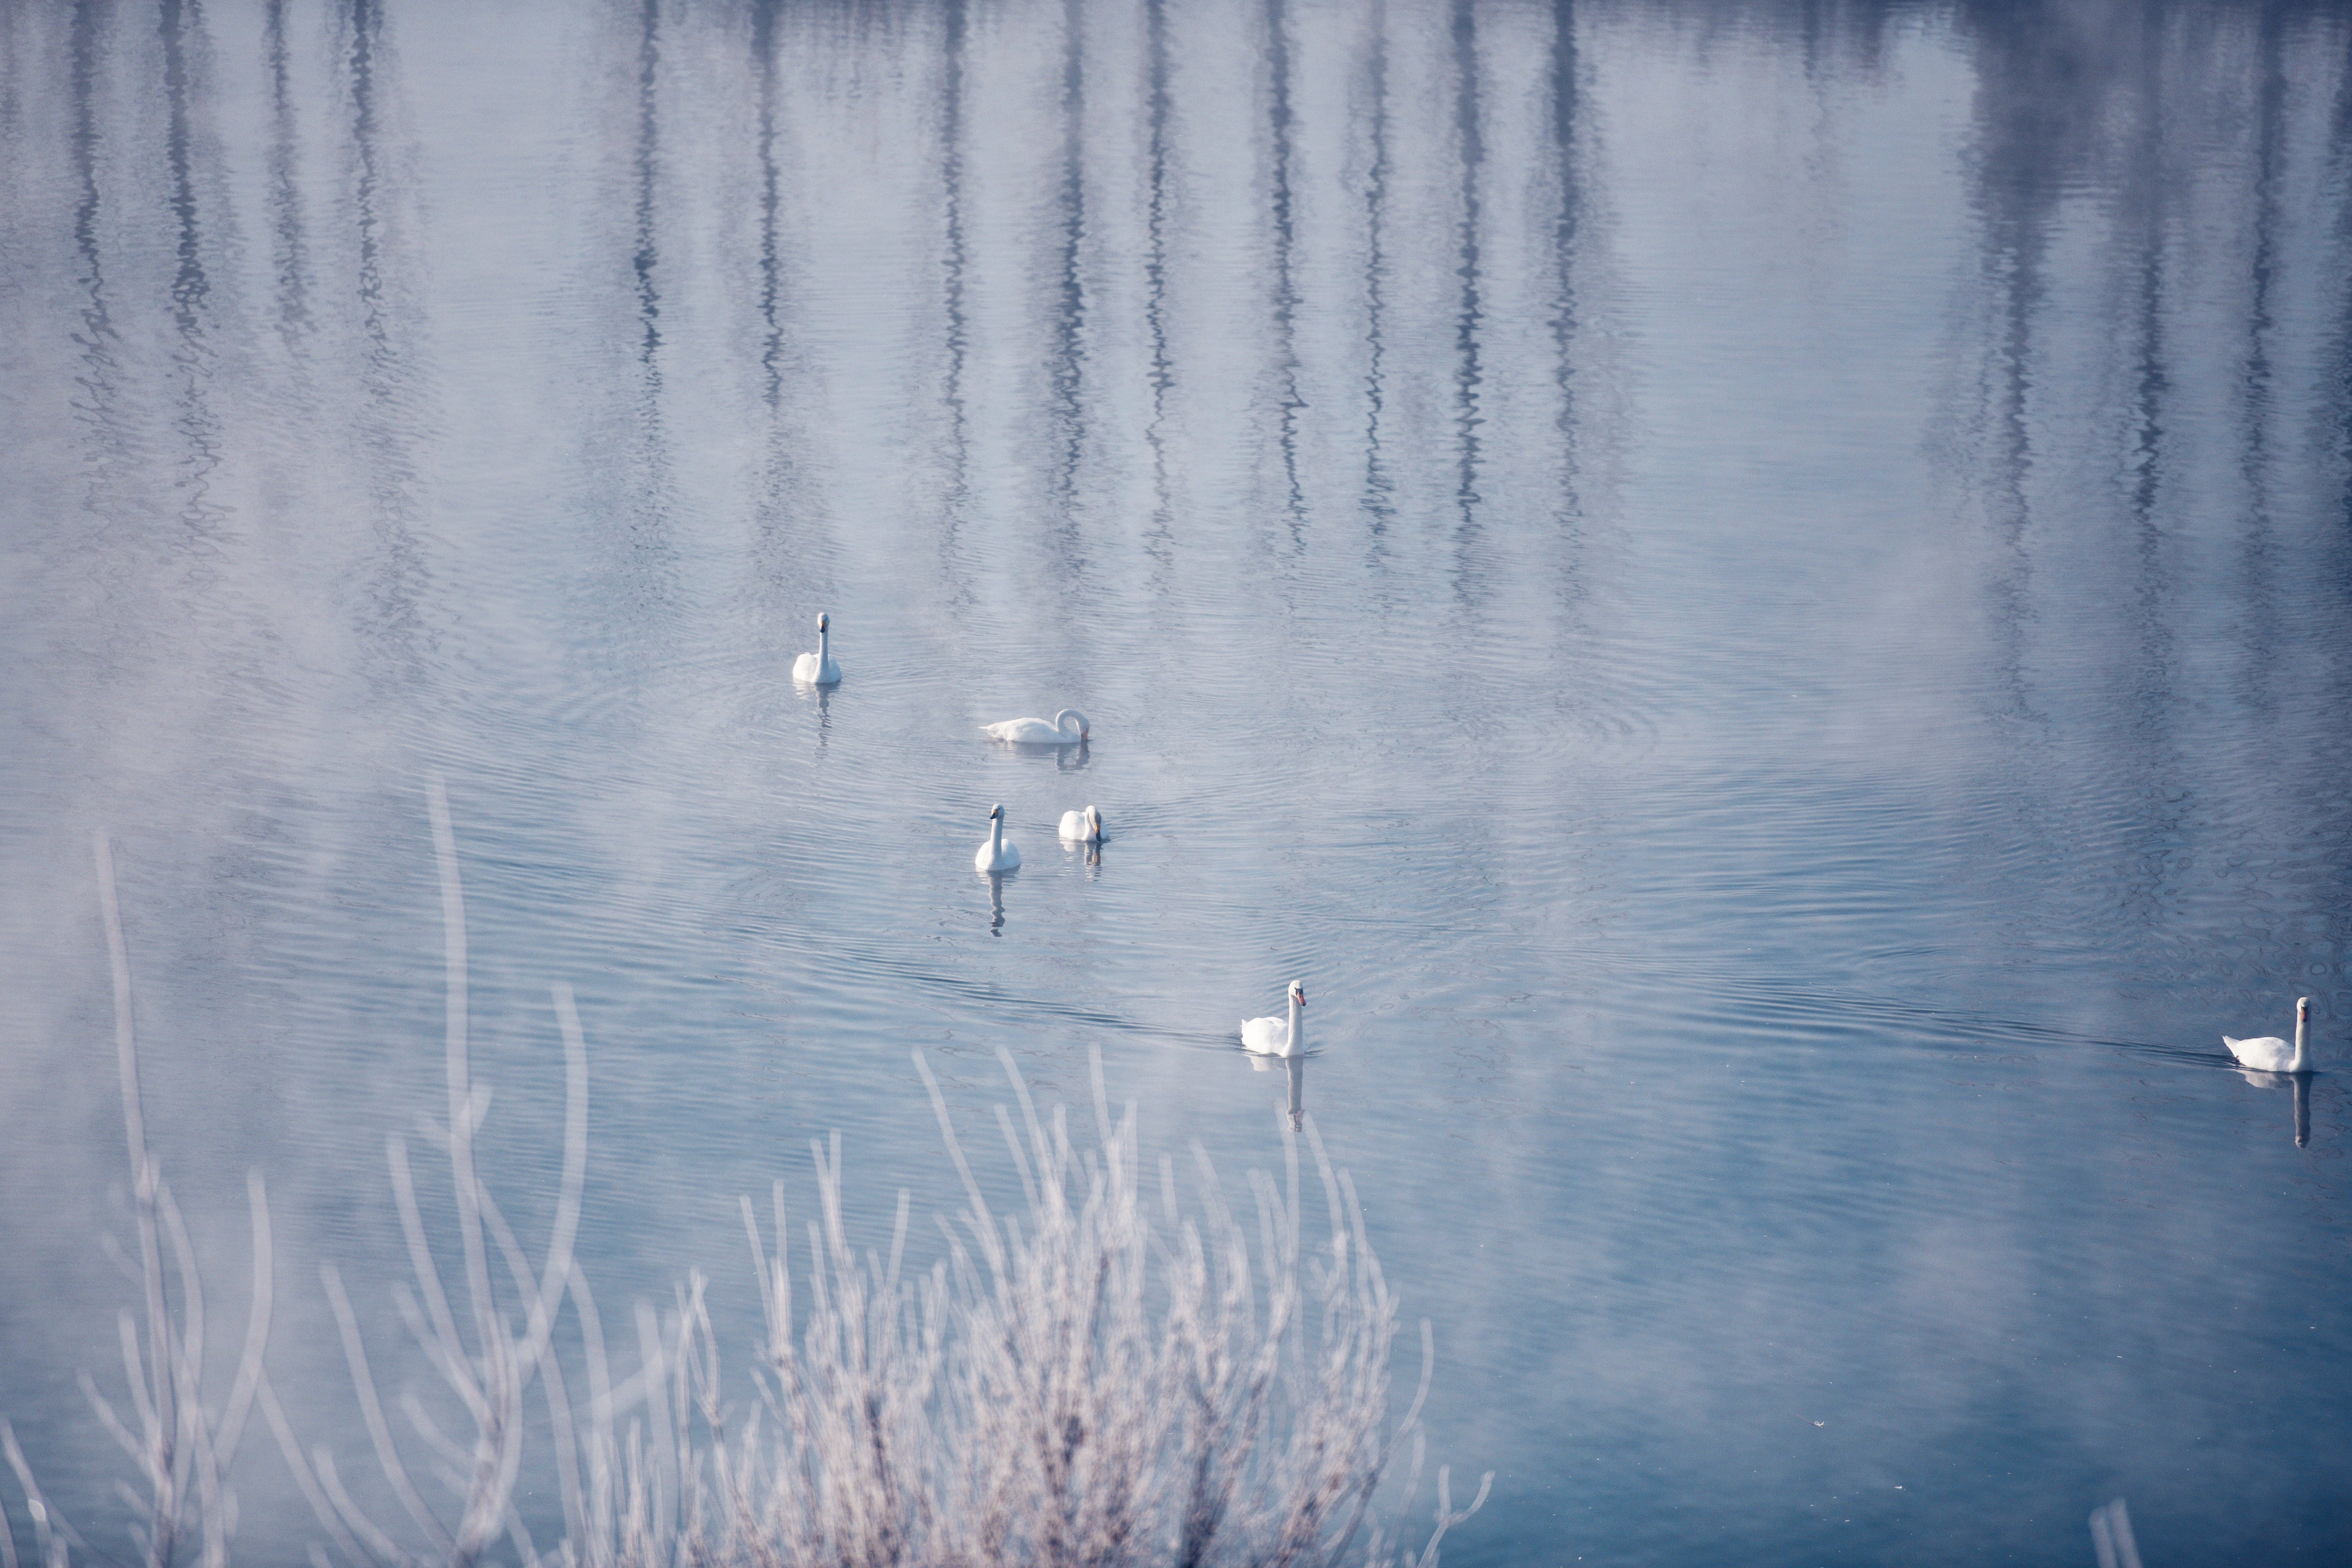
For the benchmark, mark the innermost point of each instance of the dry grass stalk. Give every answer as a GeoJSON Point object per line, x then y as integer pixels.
{"type": "Point", "coordinates": [1082, 1382]}
{"type": "Point", "coordinates": [180, 1447]}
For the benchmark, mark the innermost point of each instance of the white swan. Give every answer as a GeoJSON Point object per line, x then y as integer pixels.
{"type": "Point", "coordinates": [1037, 732]}
{"type": "Point", "coordinates": [818, 668]}
{"type": "Point", "coordinates": [2269, 1054]}
{"type": "Point", "coordinates": [996, 855]}
{"type": "Point", "coordinates": [1279, 1036]}
{"type": "Point", "coordinates": [1082, 827]}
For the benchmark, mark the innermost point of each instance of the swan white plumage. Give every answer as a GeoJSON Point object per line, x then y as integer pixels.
{"type": "Point", "coordinates": [1279, 1036]}
{"type": "Point", "coordinates": [2270, 1054]}
{"type": "Point", "coordinates": [994, 853]}
{"type": "Point", "coordinates": [1082, 826]}
{"type": "Point", "coordinates": [1038, 732]}
{"type": "Point", "coordinates": [818, 668]}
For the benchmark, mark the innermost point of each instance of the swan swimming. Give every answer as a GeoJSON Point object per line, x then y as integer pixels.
{"type": "Point", "coordinates": [1279, 1036]}
{"type": "Point", "coordinates": [2269, 1054]}
{"type": "Point", "coordinates": [996, 855]}
{"type": "Point", "coordinates": [1037, 732]}
{"type": "Point", "coordinates": [818, 668]}
{"type": "Point", "coordinates": [1082, 826]}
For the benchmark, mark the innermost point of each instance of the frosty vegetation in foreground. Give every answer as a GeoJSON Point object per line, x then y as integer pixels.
{"type": "Point", "coordinates": [1101, 1378]}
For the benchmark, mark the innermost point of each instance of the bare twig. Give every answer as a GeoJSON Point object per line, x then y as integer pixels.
{"type": "Point", "coordinates": [1088, 1377]}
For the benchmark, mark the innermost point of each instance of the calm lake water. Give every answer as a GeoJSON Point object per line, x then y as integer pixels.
{"type": "Point", "coordinates": [1756, 597]}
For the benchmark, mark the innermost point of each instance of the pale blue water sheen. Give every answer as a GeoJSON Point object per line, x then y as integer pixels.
{"type": "Point", "coordinates": [1756, 597]}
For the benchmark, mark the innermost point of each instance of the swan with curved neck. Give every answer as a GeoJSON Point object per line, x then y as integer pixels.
{"type": "Point", "coordinates": [2270, 1054]}
{"type": "Point", "coordinates": [818, 668]}
{"type": "Point", "coordinates": [995, 855]}
{"type": "Point", "coordinates": [1082, 827]}
{"type": "Point", "coordinates": [1069, 726]}
{"type": "Point", "coordinates": [1279, 1036]}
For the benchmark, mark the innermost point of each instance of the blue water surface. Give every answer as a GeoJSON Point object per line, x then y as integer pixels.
{"type": "Point", "coordinates": [1756, 597]}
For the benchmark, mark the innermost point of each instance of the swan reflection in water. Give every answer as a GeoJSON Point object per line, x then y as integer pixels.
{"type": "Point", "coordinates": [2298, 1081]}
{"type": "Point", "coordinates": [823, 696]}
{"type": "Point", "coordinates": [1295, 1066]}
{"type": "Point", "coordinates": [1067, 759]}
{"type": "Point", "coordinates": [996, 901]}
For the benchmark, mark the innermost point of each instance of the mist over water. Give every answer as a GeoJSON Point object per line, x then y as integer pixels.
{"type": "Point", "coordinates": [1757, 598]}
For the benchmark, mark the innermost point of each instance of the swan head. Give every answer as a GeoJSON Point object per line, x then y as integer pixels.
{"type": "Point", "coordinates": [1072, 713]}
{"type": "Point", "coordinates": [1298, 995]}
{"type": "Point", "coordinates": [823, 622]}
{"type": "Point", "coordinates": [995, 814]}
{"type": "Point", "coordinates": [1093, 822]}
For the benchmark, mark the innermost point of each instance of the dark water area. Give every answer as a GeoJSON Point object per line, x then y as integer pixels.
{"type": "Point", "coordinates": [1757, 598]}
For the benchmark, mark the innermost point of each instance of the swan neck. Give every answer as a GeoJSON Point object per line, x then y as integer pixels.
{"type": "Point", "coordinates": [1296, 1042]}
{"type": "Point", "coordinates": [2302, 1062]}
{"type": "Point", "coordinates": [824, 644]}
{"type": "Point", "coordinates": [995, 836]}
